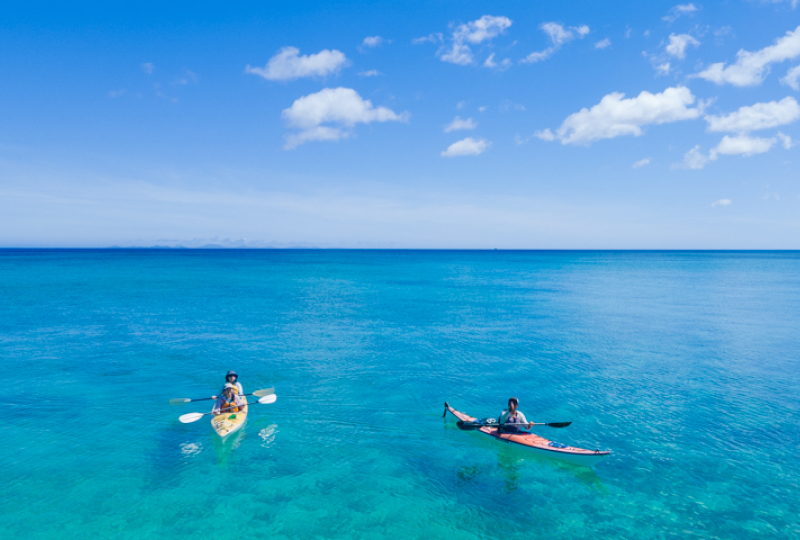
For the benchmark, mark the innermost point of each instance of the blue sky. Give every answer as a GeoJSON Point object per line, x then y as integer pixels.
{"type": "Point", "coordinates": [516, 124]}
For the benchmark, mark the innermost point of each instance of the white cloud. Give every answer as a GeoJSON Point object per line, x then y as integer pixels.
{"type": "Point", "coordinates": [482, 108]}
{"type": "Point", "coordinates": [751, 68]}
{"type": "Point", "coordinates": [342, 107]}
{"type": "Point", "coordinates": [603, 44]}
{"type": "Point", "coordinates": [792, 76]}
{"type": "Point", "coordinates": [370, 73]}
{"type": "Point", "coordinates": [693, 159]}
{"type": "Point", "coordinates": [678, 43]}
{"type": "Point", "coordinates": [458, 124]}
{"type": "Point", "coordinates": [755, 117]}
{"type": "Point", "coordinates": [641, 163]}
{"type": "Point", "coordinates": [148, 67]}
{"type": "Point", "coordinates": [793, 3]}
{"type": "Point", "coordinates": [739, 145]}
{"type": "Point", "coordinates": [663, 69]}
{"type": "Point", "coordinates": [373, 41]}
{"type": "Point", "coordinates": [288, 65]}
{"type": "Point", "coordinates": [558, 35]}
{"type": "Point", "coordinates": [490, 63]}
{"type": "Point", "coordinates": [113, 94]}
{"type": "Point", "coordinates": [432, 38]}
{"type": "Point", "coordinates": [721, 202]}
{"type": "Point", "coordinates": [467, 147]}
{"type": "Point", "coordinates": [460, 104]}
{"type": "Point", "coordinates": [545, 135]}
{"type": "Point", "coordinates": [742, 145]}
{"type": "Point", "coordinates": [615, 116]}
{"type": "Point", "coordinates": [507, 106]}
{"type": "Point", "coordinates": [677, 11]}
{"type": "Point", "coordinates": [475, 32]}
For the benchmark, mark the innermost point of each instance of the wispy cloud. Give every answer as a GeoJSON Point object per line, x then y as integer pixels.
{"type": "Point", "coordinates": [677, 11]}
{"type": "Point", "coordinates": [604, 44]}
{"type": "Point", "coordinates": [148, 67]}
{"type": "Point", "coordinates": [459, 124]}
{"type": "Point", "coordinates": [559, 35]}
{"type": "Point", "coordinates": [641, 163]}
{"type": "Point", "coordinates": [751, 68]}
{"type": "Point", "coordinates": [472, 33]}
{"type": "Point", "coordinates": [370, 73]}
{"type": "Point", "coordinates": [792, 77]}
{"type": "Point", "coordinates": [722, 202]}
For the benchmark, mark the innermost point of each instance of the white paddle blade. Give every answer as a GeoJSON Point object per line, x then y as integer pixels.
{"type": "Point", "coordinates": [266, 400]}
{"type": "Point", "coordinates": [179, 401]}
{"type": "Point", "coordinates": [191, 417]}
{"type": "Point", "coordinates": [264, 392]}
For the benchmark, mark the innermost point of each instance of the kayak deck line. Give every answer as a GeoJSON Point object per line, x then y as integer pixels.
{"type": "Point", "coordinates": [539, 445]}
{"type": "Point", "coordinates": [227, 424]}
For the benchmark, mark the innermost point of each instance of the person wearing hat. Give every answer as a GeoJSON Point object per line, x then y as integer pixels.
{"type": "Point", "coordinates": [512, 420]}
{"type": "Point", "coordinates": [230, 401]}
{"type": "Point", "coordinates": [233, 378]}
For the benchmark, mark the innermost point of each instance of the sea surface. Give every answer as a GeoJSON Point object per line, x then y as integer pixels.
{"type": "Point", "coordinates": [686, 365]}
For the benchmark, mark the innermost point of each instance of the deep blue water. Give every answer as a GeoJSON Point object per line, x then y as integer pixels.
{"type": "Point", "coordinates": [685, 364]}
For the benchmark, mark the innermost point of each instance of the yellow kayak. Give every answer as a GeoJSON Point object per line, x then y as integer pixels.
{"type": "Point", "coordinates": [228, 423]}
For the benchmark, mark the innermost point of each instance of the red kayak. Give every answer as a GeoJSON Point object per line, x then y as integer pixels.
{"type": "Point", "coordinates": [539, 445]}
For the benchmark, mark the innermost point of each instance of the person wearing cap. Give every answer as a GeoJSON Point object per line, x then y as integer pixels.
{"type": "Point", "coordinates": [233, 378]}
{"type": "Point", "coordinates": [230, 401]}
{"type": "Point", "coordinates": [512, 420]}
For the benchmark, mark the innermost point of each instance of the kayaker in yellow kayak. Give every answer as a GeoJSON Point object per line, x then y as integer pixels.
{"type": "Point", "coordinates": [230, 401]}
{"type": "Point", "coordinates": [512, 420]}
{"type": "Point", "coordinates": [233, 378]}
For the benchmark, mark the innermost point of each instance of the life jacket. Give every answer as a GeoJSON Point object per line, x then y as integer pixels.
{"type": "Point", "coordinates": [234, 408]}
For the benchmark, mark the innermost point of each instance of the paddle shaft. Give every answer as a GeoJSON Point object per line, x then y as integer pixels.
{"type": "Point", "coordinates": [181, 401]}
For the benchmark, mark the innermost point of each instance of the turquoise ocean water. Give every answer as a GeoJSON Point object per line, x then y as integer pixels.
{"type": "Point", "coordinates": [685, 365]}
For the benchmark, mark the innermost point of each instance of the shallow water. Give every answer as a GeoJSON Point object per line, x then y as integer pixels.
{"type": "Point", "coordinates": [685, 365]}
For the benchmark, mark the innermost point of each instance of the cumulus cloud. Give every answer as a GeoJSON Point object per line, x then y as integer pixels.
{"type": "Point", "coordinates": [615, 116]}
{"type": "Point", "coordinates": [677, 11]}
{"type": "Point", "coordinates": [484, 29]}
{"type": "Point", "coordinates": [792, 76]}
{"type": "Point", "coordinates": [604, 44]}
{"type": "Point", "coordinates": [288, 65]}
{"type": "Point", "coordinates": [738, 145]}
{"type": "Point", "coordinates": [467, 147]}
{"type": "Point", "coordinates": [721, 202]}
{"type": "Point", "coordinates": [459, 124]}
{"type": "Point", "coordinates": [751, 68]}
{"type": "Point", "coordinates": [756, 117]}
{"type": "Point", "coordinates": [341, 107]}
{"type": "Point", "coordinates": [641, 163]}
{"type": "Point", "coordinates": [559, 36]}
{"type": "Point", "coordinates": [743, 145]}
{"type": "Point", "coordinates": [678, 43]}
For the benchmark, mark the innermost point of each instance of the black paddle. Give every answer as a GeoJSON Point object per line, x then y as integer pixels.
{"type": "Point", "coordinates": [257, 393]}
{"type": "Point", "coordinates": [472, 426]}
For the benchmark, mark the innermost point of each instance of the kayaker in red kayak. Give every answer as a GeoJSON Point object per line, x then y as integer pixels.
{"type": "Point", "coordinates": [512, 420]}
{"type": "Point", "coordinates": [230, 401]}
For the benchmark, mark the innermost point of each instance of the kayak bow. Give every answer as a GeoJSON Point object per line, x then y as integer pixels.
{"type": "Point", "coordinates": [539, 445]}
